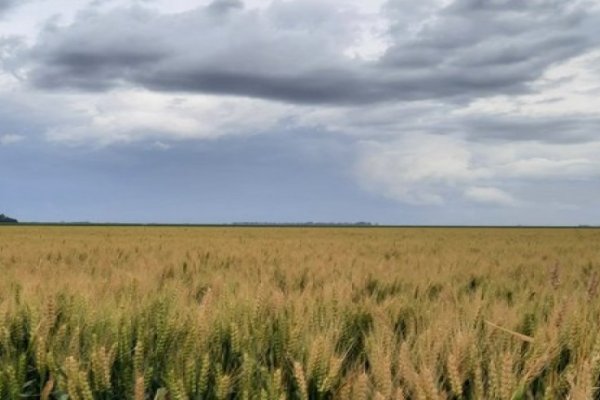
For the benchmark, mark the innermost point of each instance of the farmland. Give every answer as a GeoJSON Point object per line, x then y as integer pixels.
{"type": "Point", "coordinates": [299, 313]}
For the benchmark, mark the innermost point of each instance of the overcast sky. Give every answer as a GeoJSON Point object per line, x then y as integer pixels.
{"type": "Point", "coordinates": [389, 111]}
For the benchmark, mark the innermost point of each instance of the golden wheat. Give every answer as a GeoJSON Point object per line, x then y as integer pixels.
{"type": "Point", "coordinates": [98, 313]}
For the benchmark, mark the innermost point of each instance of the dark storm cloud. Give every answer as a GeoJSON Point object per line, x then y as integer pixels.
{"type": "Point", "coordinates": [92, 55]}
{"type": "Point", "coordinates": [294, 51]}
{"type": "Point", "coordinates": [341, 87]}
{"type": "Point", "coordinates": [291, 52]}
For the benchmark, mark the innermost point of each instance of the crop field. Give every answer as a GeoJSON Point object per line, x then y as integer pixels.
{"type": "Point", "coordinates": [299, 313]}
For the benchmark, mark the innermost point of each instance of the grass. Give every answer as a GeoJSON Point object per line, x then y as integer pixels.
{"type": "Point", "coordinates": [298, 313]}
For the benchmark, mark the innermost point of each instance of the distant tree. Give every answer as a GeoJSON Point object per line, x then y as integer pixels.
{"type": "Point", "coordinates": [6, 220]}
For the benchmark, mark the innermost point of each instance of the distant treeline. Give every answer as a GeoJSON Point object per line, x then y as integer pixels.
{"type": "Point", "coordinates": [360, 223]}
{"type": "Point", "coordinates": [7, 220]}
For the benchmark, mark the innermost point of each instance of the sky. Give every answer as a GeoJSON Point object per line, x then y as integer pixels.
{"type": "Point", "coordinates": [437, 112]}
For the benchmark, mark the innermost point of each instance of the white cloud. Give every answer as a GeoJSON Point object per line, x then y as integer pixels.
{"type": "Point", "coordinates": [490, 196]}
{"type": "Point", "coordinates": [10, 138]}
{"type": "Point", "coordinates": [161, 146]}
{"type": "Point", "coordinates": [539, 167]}
{"type": "Point", "coordinates": [132, 115]}
{"type": "Point", "coordinates": [432, 169]}
{"type": "Point", "coordinates": [417, 169]}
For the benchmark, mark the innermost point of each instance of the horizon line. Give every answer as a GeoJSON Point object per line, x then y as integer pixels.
{"type": "Point", "coordinates": [359, 224]}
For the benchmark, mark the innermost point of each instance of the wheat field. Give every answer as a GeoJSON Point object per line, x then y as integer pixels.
{"type": "Point", "coordinates": [299, 313]}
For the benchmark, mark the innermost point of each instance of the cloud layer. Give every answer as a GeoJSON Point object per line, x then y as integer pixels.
{"type": "Point", "coordinates": [296, 51]}
{"type": "Point", "coordinates": [447, 104]}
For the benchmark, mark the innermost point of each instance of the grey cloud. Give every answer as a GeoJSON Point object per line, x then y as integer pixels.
{"type": "Point", "coordinates": [94, 56]}
{"type": "Point", "coordinates": [315, 87]}
{"type": "Point", "coordinates": [246, 53]}
{"type": "Point", "coordinates": [294, 51]}
{"type": "Point", "coordinates": [6, 4]}
{"type": "Point", "coordinates": [549, 129]}
{"type": "Point", "coordinates": [502, 5]}
{"type": "Point", "coordinates": [386, 122]}
{"type": "Point", "coordinates": [223, 6]}
{"type": "Point", "coordinates": [483, 47]}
